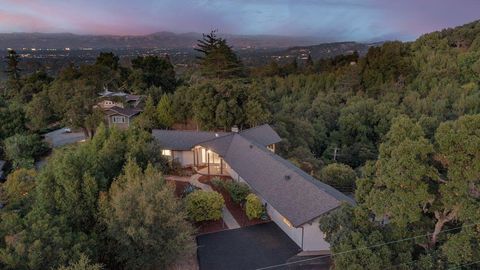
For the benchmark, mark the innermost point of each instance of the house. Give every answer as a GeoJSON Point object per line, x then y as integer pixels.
{"type": "Point", "coordinates": [120, 108]}
{"type": "Point", "coordinates": [294, 199]}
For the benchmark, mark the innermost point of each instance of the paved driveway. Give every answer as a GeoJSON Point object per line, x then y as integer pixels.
{"type": "Point", "coordinates": [59, 137]}
{"type": "Point", "coordinates": [246, 248]}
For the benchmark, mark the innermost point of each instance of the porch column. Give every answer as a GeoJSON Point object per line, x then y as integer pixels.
{"type": "Point", "coordinates": [221, 165]}
{"type": "Point", "coordinates": [208, 163]}
{"type": "Point", "coordinates": [194, 159]}
{"type": "Point", "coordinates": [198, 160]}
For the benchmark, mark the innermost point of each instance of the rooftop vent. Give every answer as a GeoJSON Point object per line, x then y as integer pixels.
{"type": "Point", "coordinates": [216, 135]}
{"type": "Point", "coordinates": [287, 177]}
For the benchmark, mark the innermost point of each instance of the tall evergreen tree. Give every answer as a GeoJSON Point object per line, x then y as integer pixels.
{"type": "Point", "coordinates": [165, 114]}
{"type": "Point", "coordinates": [146, 221]}
{"type": "Point", "coordinates": [13, 72]}
{"type": "Point", "coordinates": [217, 58]}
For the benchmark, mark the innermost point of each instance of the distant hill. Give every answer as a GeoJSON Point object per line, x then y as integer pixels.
{"type": "Point", "coordinates": [327, 50]}
{"type": "Point", "coordinates": [156, 40]}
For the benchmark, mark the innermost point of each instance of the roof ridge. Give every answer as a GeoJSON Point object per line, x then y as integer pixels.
{"type": "Point", "coordinates": [255, 127]}
{"type": "Point", "coordinates": [189, 130]}
{"type": "Point", "coordinates": [216, 138]}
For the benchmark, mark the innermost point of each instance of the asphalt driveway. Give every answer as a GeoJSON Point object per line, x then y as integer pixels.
{"type": "Point", "coordinates": [60, 137]}
{"type": "Point", "coordinates": [246, 248]}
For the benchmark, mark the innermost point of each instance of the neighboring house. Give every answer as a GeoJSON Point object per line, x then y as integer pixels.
{"type": "Point", "coordinates": [294, 200]}
{"type": "Point", "coordinates": [120, 108]}
{"type": "Point", "coordinates": [120, 117]}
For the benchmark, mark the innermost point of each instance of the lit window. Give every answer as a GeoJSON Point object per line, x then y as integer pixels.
{"type": "Point", "coordinates": [166, 152]}
{"type": "Point", "coordinates": [271, 147]}
{"type": "Point", "coordinates": [118, 119]}
{"type": "Point", "coordinates": [287, 222]}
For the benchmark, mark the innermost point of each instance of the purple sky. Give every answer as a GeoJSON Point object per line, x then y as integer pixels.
{"type": "Point", "coordinates": [329, 20]}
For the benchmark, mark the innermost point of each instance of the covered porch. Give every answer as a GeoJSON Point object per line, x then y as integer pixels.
{"type": "Point", "coordinates": [207, 162]}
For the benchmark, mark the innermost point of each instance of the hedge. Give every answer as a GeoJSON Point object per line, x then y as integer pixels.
{"type": "Point", "coordinates": [238, 191]}
{"type": "Point", "coordinates": [254, 207]}
{"type": "Point", "coordinates": [204, 205]}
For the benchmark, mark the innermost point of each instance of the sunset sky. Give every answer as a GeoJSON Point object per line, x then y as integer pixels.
{"type": "Point", "coordinates": [329, 20]}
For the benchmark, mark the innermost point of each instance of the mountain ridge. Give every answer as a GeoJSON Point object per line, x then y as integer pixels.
{"type": "Point", "coordinates": [164, 39]}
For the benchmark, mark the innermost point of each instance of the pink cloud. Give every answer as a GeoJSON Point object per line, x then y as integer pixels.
{"type": "Point", "coordinates": [23, 22]}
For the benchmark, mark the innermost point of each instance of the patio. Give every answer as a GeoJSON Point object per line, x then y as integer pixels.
{"type": "Point", "coordinates": [212, 169]}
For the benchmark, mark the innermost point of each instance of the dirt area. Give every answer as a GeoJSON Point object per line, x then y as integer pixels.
{"type": "Point", "coordinates": [210, 226]}
{"type": "Point", "coordinates": [238, 211]}
{"type": "Point", "coordinates": [179, 187]}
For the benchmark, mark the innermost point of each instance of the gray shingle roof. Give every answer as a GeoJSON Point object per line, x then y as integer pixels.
{"type": "Point", "coordinates": [129, 112]}
{"type": "Point", "coordinates": [219, 145]}
{"type": "Point", "coordinates": [296, 195]}
{"type": "Point", "coordinates": [263, 135]}
{"type": "Point", "coordinates": [182, 139]}
{"type": "Point", "coordinates": [186, 140]}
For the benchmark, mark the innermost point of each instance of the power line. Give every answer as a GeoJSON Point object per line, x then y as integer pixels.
{"type": "Point", "coordinates": [414, 261]}
{"type": "Point", "coordinates": [363, 248]}
{"type": "Point", "coordinates": [467, 264]}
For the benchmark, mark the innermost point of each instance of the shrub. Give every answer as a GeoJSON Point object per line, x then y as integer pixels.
{"type": "Point", "coordinates": [338, 175]}
{"type": "Point", "coordinates": [238, 191]}
{"type": "Point", "coordinates": [204, 205]}
{"type": "Point", "coordinates": [254, 207]}
{"type": "Point", "coordinates": [218, 182]}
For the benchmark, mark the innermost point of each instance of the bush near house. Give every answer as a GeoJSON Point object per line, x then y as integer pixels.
{"type": "Point", "coordinates": [218, 182]}
{"type": "Point", "coordinates": [253, 207]}
{"type": "Point", "coordinates": [204, 205]}
{"type": "Point", "coordinates": [238, 191]}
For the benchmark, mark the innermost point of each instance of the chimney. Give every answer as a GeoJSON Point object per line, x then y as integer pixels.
{"type": "Point", "coordinates": [235, 129]}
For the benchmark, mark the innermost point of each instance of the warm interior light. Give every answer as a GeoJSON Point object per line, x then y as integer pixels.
{"type": "Point", "coordinates": [287, 222]}
{"type": "Point", "coordinates": [166, 152]}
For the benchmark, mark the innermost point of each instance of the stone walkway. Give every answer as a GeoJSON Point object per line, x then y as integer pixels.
{"type": "Point", "coordinates": [227, 216]}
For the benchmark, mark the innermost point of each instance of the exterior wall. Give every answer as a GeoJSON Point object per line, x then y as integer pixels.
{"type": "Point", "coordinates": [313, 237]}
{"type": "Point", "coordinates": [234, 174]}
{"type": "Point", "coordinates": [118, 125]}
{"type": "Point", "coordinates": [294, 233]}
{"type": "Point", "coordinates": [309, 237]}
{"type": "Point", "coordinates": [184, 157]}
{"type": "Point", "coordinates": [107, 104]}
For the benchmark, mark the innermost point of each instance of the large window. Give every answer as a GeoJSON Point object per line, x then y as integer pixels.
{"type": "Point", "coordinates": [119, 119]}
{"type": "Point", "coordinates": [166, 152]}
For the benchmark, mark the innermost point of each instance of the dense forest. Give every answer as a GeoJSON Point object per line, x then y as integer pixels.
{"type": "Point", "coordinates": [399, 127]}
